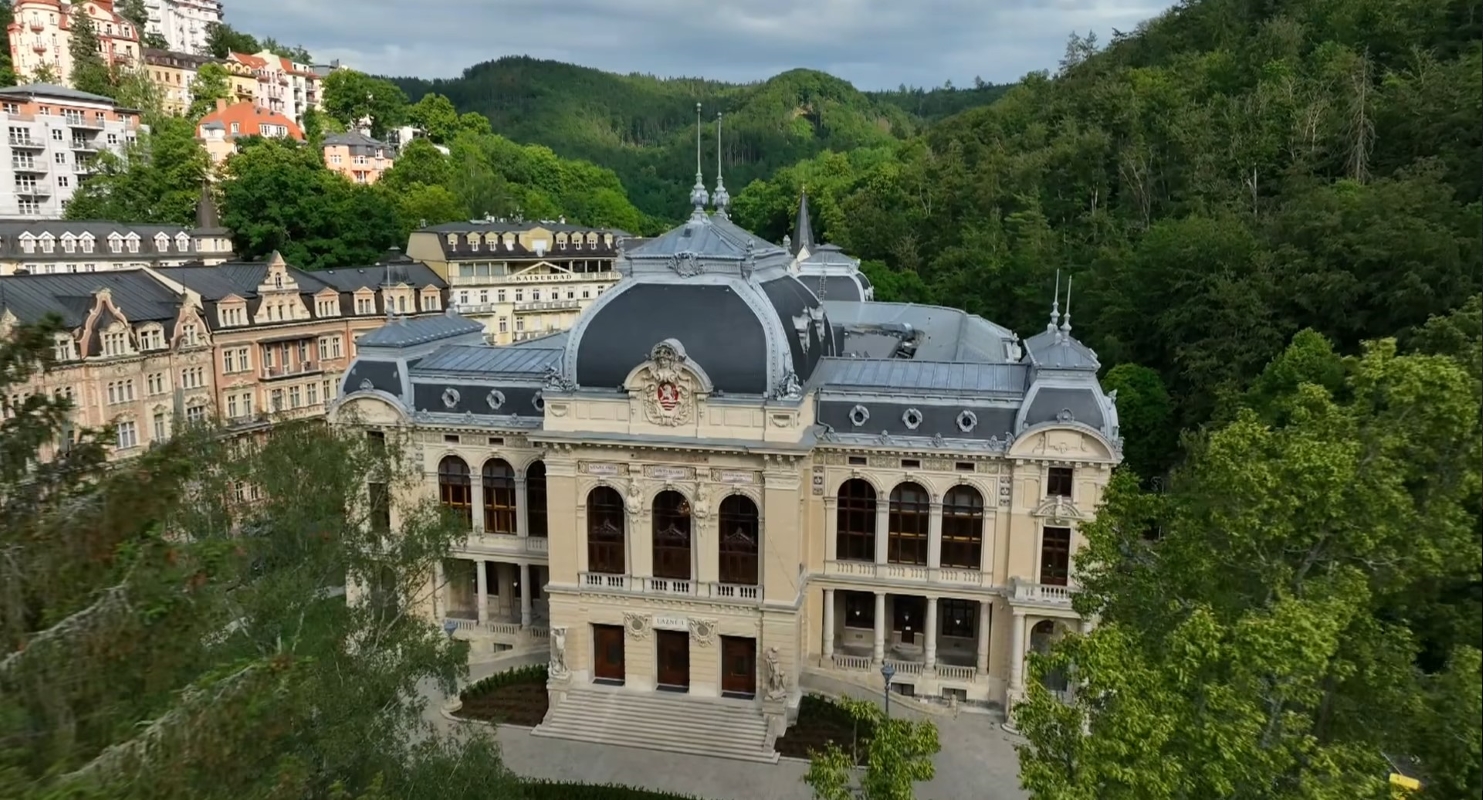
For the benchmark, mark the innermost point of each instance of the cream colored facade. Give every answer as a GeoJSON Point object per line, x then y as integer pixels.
{"type": "Point", "coordinates": [41, 37]}
{"type": "Point", "coordinates": [522, 280]}
{"type": "Point", "coordinates": [783, 492]}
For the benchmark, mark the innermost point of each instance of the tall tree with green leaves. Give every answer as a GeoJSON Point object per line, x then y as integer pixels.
{"type": "Point", "coordinates": [156, 180]}
{"type": "Point", "coordinates": [222, 40]}
{"type": "Point", "coordinates": [135, 11]}
{"type": "Point", "coordinates": [7, 68]}
{"type": "Point", "coordinates": [1269, 644]}
{"type": "Point", "coordinates": [171, 627]}
{"type": "Point", "coordinates": [898, 756]}
{"type": "Point", "coordinates": [355, 99]}
{"type": "Point", "coordinates": [90, 72]}
{"type": "Point", "coordinates": [212, 83]}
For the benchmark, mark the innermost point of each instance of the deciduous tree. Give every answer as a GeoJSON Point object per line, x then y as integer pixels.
{"type": "Point", "coordinates": [355, 99]}
{"type": "Point", "coordinates": [898, 757]}
{"type": "Point", "coordinates": [90, 73]}
{"type": "Point", "coordinates": [212, 83]}
{"type": "Point", "coordinates": [156, 180]}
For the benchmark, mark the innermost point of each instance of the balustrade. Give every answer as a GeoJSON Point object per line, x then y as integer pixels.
{"type": "Point", "coordinates": [855, 663]}
{"type": "Point", "coordinates": [952, 672]}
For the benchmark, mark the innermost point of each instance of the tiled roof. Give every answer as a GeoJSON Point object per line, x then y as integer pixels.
{"type": "Point", "coordinates": [250, 60]}
{"type": "Point", "coordinates": [135, 292]}
{"type": "Point", "coordinates": [248, 117]}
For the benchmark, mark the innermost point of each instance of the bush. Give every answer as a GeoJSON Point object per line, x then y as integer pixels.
{"type": "Point", "coordinates": [551, 790]}
{"type": "Point", "coordinates": [535, 673]}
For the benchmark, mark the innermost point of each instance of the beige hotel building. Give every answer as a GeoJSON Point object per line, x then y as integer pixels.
{"type": "Point", "coordinates": [716, 491]}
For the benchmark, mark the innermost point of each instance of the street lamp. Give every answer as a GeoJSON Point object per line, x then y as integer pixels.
{"type": "Point", "coordinates": [449, 626]}
{"type": "Point", "coordinates": [888, 672]}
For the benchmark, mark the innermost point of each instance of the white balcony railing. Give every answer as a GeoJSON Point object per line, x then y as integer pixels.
{"type": "Point", "coordinates": [603, 580]}
{"type": "Point", "coordinates": [1029, 592]}
{"type": "Point", "coordinates": [952, 672]}
{"type": "Point", "coordinates": [738, 593]}
{"type": "Point", "coordinates": [855, 663]}
{"type": "Point", "coordinates": [665, 586]}
{"type": "Point", "coordinates": [910, 573]}
{"type": "Point", "coordinates": [537, 544]}
{"type": "Point", "coordinates": [906, 667]}
{"type": "Point", "coordinates": [732, 591]}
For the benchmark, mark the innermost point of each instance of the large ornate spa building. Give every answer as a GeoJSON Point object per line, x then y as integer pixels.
{"type": "Point", "coordinates": [716, 488]}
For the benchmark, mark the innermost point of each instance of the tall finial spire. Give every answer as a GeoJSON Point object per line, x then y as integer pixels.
{"type": "Point", "coordinates": [698, 195]}
{"type": "Point", "coordinates": [720, 197]}
{"type": "Point", "coordinates": [1055, 306]}
{"type": "Point", "coordinates": [1066, 318]}
{"type": "Point", "coordinates": [803, 228]}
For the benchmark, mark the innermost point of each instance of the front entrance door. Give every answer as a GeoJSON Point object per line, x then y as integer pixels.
{"type": "Point", "coordinates": [738, 666]}
{"type": "Point", "coordinates": [674, 659]}
{"type": "Point", "coordinates": [607, 653]}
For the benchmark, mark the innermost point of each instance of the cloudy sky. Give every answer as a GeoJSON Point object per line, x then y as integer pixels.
{"type": "Point", "coordinates": [875, 44]}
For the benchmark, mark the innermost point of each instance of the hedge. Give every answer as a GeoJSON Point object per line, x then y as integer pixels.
{"type": "Point", "coordinates": [535, 673]}
{"type": "Point", "coordinates": [553, 790]}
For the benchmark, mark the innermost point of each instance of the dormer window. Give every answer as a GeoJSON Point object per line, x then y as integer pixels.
{"type": "Point", "coordinates": [277, 281]}
{"type": "Point", "coordinates": [431, 301]}
{"type": "Point", "coordinates": [152, 339]}
{"type": "Point", "coordinates": [115, 243]}
{"type": "Point", "coordinates": [592, 239]}
{"type": "Point", "coordinates": [453, 240]}
{"type": "Point", "coordinates": [28, 245]}
{"type": "Point", "coordinates": [68, 244]}
{"type": "Point", "coordinates": [189, 335]}
{"type": "Point", "coordinates": [47, 244]}
{"type": "Point", "coordinates": [473, 240]}
{"type": "Point", "coordinates": [162, 243]}
{"type": "Point", "coordinates": [133, 244]}
{"type": "Point", "coordinates": [182, 242]}
{"type": "Point", "coordinates": [491, 239]}
{"type": "Point", "coordinates": [509, 241]}
{"type": "Point", "coordinates": [65, 347]}
{"type": "Point", "coordinates": [365, 305]}
{"type": "Point", "coordinates": [116, 343]}
{"type": "Point", "coordinates": [327, 307]}
{"type": "Point", "coordinates": [87, 244]}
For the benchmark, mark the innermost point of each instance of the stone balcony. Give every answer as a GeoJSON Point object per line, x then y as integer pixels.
{"type": "Point", "coordinates": [947, 577]}
{"type": "Point", "coordinates": [1029, 593]}
{"type": "Point", "coordinates": [670, 587]}
{"type": "Point", "coordinates": [504, 544]}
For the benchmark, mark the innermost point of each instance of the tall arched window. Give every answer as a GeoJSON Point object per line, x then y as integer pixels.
{"type": "Point", "coordinates": [910, 510]}
{"type": "Point", "coordinates": [499, 497]}
{"type": "Point", "coordinates": [454, 489]}
{"type": "Point", "coordinates": [962, 528]}
{"type": "Point", "coordinates": [671, 536]}
{"type": "Point", "coordinates": [739, 540]}
{"type": "Point", "coordinates": [855, 516]}
{"type": "Point", "coordinates": [605, 525]}
{"type": "Point", "coordinates": [535, 498]}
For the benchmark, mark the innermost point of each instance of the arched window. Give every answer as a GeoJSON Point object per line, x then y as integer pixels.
{"type": "Point", "coordinates": [910, 510]}
{"type": "Point", "coordinates": [671, 536]}
{"type": "Point", "coordinates": [499, 497]}
{"type": "Point", "coordinates": [739, 538]}
{"type": "Point", "coordinates": [605, 518]}
{"type": "Point", "coordinates": [855, 536]}
{"type": "Point", "coordinates": [535, 498]}
{"type": "Point", "coordinates": [454, 489]}
{"type": "Point", "coordinates": [962, 528]}
{"type": "Point", "coordinates": [1042, 637]}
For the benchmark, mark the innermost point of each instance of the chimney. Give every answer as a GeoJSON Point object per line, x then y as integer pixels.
{"type": "Point", "coordinates": [221, 104]}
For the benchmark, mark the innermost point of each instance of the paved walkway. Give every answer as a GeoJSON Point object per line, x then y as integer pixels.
{"type": "Point", "coordinates": [977, 762]}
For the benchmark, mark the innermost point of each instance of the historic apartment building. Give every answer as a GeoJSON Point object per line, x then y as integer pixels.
{"type": "Point", "coordinates": [716, 489]}
{"type": "Point", "coordinates": [53, 136]}
{"type": "Point", "coordinates": [184, 24]}
{"type": "Point", "coordinates": [173, 73]}
{"type": "Point", "coordinates": [522, 280]}
{"type": "Point", "coordinates": [57, 246]}
{"type": "Point", "coordinates": [41, 37]}
{"type": "Point", "coordinates": [283, 87]}
{"type": "Point", "coordinates": [219, 130]}
{"type": "Point", "coordinates": [245, 342]}
{"type": "Point", "coordinates": [357, 156]}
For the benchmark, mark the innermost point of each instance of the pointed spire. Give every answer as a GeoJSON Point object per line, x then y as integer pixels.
{"type": "Point", "coordinates": [1055, 306]}
{"type": "Point", "coordinates": [698, 195]}
{"type": "Point", "coordinates": [1066, 318]}
{"type": "Point", "coordinates": [721, 197]}
{"type": "Point", "coordinates": [803, 229]}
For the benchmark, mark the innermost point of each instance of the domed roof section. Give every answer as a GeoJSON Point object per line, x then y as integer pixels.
{"type": "Point", "coordinates": [832, 275]}
{"type": "Point", "coordinates": [726, 295]}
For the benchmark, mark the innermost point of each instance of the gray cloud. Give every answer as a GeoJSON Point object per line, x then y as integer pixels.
{"type": "Point", "coordinates": [874, 44]}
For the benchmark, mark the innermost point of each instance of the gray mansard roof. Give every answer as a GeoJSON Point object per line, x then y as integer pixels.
{"type": "Point", "coordinates": [876, 372]}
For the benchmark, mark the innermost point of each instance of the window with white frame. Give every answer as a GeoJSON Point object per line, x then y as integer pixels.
{"type": "Point", "coordinates": [195, 413]}
{"type": "Point", "coordinates": [161, 429]}
{"type": "Point", "coordinates": [128, 434]}
{"type": "Point", "coordinates": [65, 347]}
{"type": "Point", "coordinates": [152, 339]}
{"type": "Point", "coordinates": [192, 377]}
{"type": "Point", "coordinates": [311, 394]}
{"type": "Point", "coordinates": [116, 343]}
{"type": "Point", "coordinates": [154, 384]}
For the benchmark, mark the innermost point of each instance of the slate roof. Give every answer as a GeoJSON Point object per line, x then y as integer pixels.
{"type": "Point", "coordinates": [496, 362]}
{"type": "Point", "coordinates": [70, 295]}
{"type": "Point", "coordinates": [52, 90]}
{"type": "Point", "coordinates": [859, 373]}
{"type": "Point", "coordinates": [359, 143]}
{"type": "Point", "coordinates": [406, 332]}
{"type": "Point", "coordinates": [1055, 350]}
{"type": "Point", "coordinates": [946, 334]}
{"type": "Point", "coordinates": [11, 231]}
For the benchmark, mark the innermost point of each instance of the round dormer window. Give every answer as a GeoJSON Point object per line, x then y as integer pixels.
{"type": "Point", "coordinates": [859, 415]}
{"type": "Point", "coordinates": [538, 401]}
{"type": "Point", "coordinates": [911, 418]}
{"type": "Point", "coordinates": [450, 397]}
{"type": "Point", "coordinates": [1065, 416]}
{"type": "Point", "coordinates": [495, 399]}
{"type": "Point", "coordinates": [967, 421]}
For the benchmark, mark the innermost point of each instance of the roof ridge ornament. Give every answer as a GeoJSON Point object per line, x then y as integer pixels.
{"type": "Point", "coordinates": [1066, 318]}
{"type": "Point", "coordinates": [720, 197]}
{"type": "Point", "coordinates": [698, 195]}
{"type": "Point", "coordinates": [1055, 306]}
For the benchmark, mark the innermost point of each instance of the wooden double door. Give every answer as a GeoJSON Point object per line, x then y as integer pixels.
{"type": "Point", "coordinates": [673, 652]}
{"type": "Point", "coordinates": [738, 666]}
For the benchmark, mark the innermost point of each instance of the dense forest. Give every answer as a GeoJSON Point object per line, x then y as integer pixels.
{"type": "Point", "coordinates": [643, 127]}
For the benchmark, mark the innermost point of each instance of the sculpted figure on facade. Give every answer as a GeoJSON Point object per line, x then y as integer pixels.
{"type": "Point", "coordinates": [557, 666]}
{"type": "Point", "coordinates": [777, 682]}
{"type": "Point", "coordinates": [700, 505]}
{"type": "Point", "coordinates": [631, 499]}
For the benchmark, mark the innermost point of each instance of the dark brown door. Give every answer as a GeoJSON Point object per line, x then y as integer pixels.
{"type": "Point", "coordinates": [674, 659]}
{"type": "Point", "coordinates": [607, 652]}
{"type": "Point", "coordinates": [738, 666]}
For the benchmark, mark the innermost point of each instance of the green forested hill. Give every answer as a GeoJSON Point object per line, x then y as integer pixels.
{"type": "Point", "coordinates": [643, 127]}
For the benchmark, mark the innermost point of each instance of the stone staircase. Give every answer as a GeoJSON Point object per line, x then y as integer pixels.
{"type": "Point", "coordinates": [674, 723]}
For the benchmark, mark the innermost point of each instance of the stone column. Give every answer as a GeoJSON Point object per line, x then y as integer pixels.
{"type": "Point", "coordinates": [828, 624]}
{"type": "Point", "coordinates": [879, 654]}
{"type": "Point", "coordinates": [984, 612]}
{"type": "Point", "coordinates": [481, 568]}
{"type": "Point", "coordinates": [506, 583]}
{"type": "Point", "coordinates": [831, 529]}
{"type": "Point", "coordinates": [1017, 655]}
{"type": "Point", "coordinates": [934, 537]}
{"type": "Point", "coordinates": [525, 592]}
{"type": "Point", "coordinates": [931, 632]}
{"type": "Point", "coordinates": [882, 530]}
{"type": "Point", "coordinates": [476, 498]}
{"type": "Point", "coordinates": [522, 511]}
{"type": "Point", "coordinates": [440, 606]}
